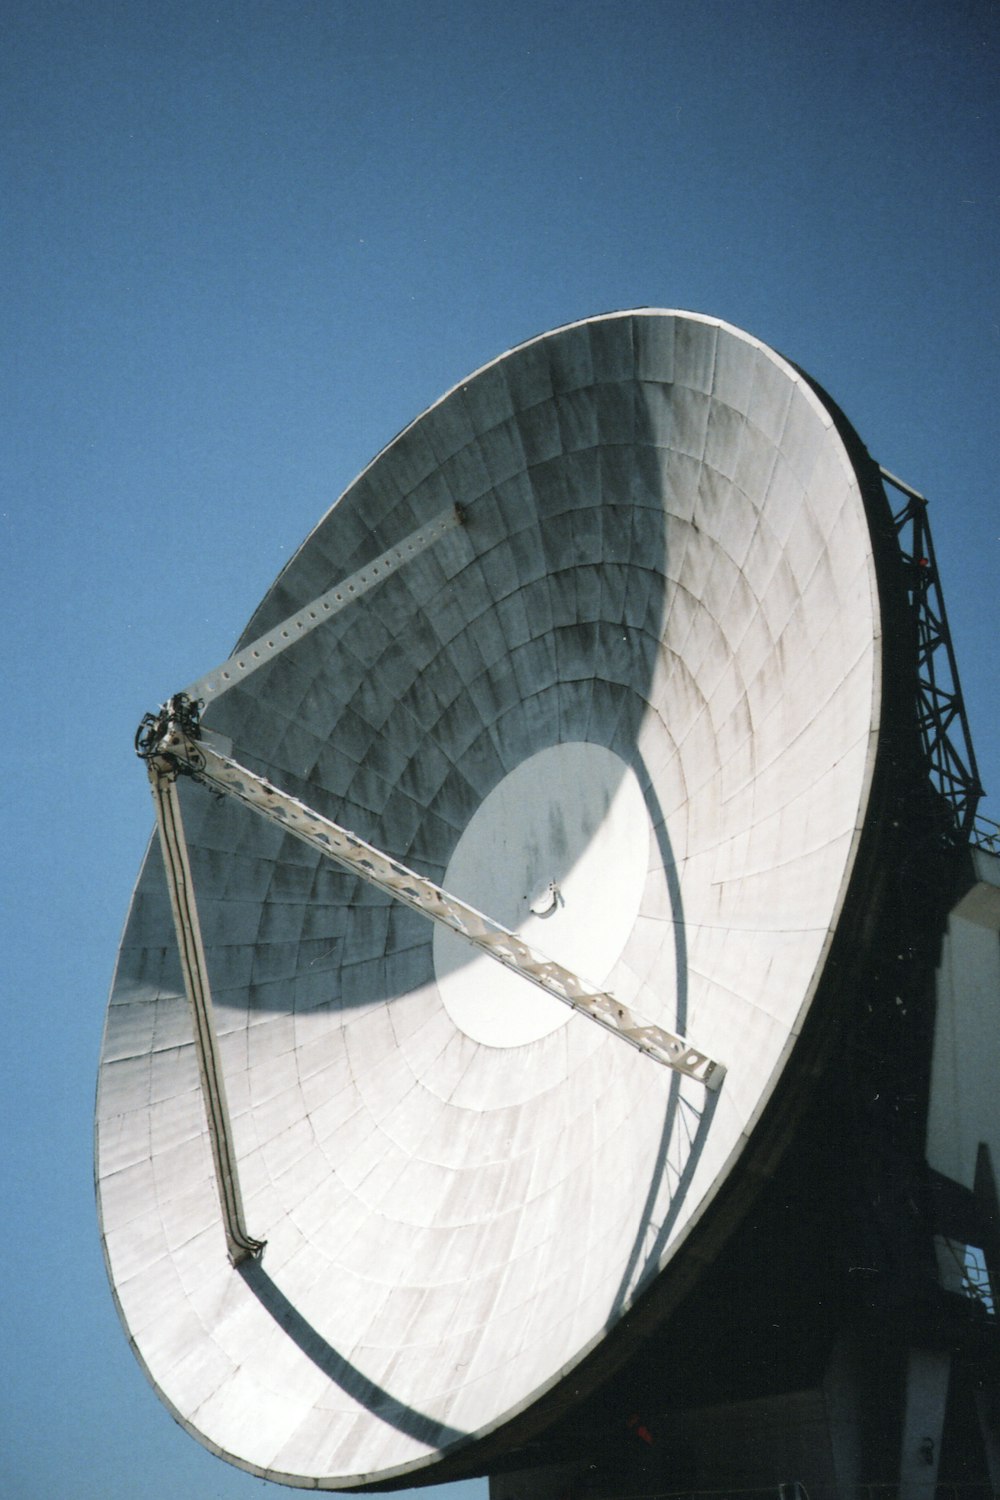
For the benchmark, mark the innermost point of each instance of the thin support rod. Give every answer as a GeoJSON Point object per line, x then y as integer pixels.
{"type": "Point", "coordinates": [221, 774]}
{"type": "Point", "coordinates": [163, 782]}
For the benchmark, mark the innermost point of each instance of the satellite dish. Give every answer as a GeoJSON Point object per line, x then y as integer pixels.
{"type": "Point", "coordinates": [625, 701]}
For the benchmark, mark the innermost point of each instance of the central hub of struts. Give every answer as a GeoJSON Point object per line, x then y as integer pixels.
{"type": "Point", "coordinates": [166, 740]}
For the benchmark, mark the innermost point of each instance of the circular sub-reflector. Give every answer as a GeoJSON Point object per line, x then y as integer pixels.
{"type": "Point", "coordinates": [643, 675]}
{"type": "Point", "coordinates": [573, 811]}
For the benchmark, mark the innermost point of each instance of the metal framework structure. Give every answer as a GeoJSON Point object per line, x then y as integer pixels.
{"type": "Point", "coordinates": [941, 716]}
{"type": "Point", "coordinates": [172, 743]}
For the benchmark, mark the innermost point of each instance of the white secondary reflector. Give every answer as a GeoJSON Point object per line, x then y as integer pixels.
{"type": "Point", "coordinates": [575, 808]}
{"type": "Point", "coordinates": [664, 556]}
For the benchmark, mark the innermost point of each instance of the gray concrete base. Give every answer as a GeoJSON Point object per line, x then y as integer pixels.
{"type": "Point", "coordinates": [923, 1423]}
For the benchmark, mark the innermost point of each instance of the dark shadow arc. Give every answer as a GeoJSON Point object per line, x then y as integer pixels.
{"type": "Point", "coordinates": [405, 1419]}
{"type": "Point", "coordinates": [673, 1101]}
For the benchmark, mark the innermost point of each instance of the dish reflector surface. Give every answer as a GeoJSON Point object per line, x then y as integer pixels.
{"type": "Point", "coordinates": [645, 672]}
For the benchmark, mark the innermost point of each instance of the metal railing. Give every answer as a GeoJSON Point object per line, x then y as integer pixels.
{"type": "Point", "coordinates": [986, 834]}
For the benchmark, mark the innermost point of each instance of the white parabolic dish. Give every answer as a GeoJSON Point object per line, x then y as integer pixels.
{"type": "Point", "coordinates": [657, 637]}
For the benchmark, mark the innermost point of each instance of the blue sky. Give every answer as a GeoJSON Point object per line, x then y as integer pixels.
{"type": "Point", "coordinates": [242, 245]}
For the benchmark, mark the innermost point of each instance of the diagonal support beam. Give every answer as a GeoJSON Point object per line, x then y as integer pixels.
{"type": "Point", "coordinates": [163, 781]}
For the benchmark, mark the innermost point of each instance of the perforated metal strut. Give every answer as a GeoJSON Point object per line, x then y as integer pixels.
{"type": "Point", "coordinates": [340, 597]}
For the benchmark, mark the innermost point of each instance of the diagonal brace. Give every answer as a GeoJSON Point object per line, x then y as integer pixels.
{"type": "Point", "coordinates": [163, 781]}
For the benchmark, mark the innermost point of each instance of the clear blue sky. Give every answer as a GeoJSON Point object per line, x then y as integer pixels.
{"type": "Point", "coordinates": [242, 245]}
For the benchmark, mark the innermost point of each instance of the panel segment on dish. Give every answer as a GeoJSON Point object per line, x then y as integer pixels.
{"type": "Point", "coordinates": [629, 708]}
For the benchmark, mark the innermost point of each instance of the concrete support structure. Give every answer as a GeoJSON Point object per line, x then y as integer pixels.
{"type": "Point", "coordinates": [843, 1413]}
{"type": "Point", "coordinates": [966, 1061]}
{"type": "Point", "coordinates": [926, 1397]}
{"type": "Point", "coordinates": [988, 1414]}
